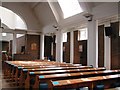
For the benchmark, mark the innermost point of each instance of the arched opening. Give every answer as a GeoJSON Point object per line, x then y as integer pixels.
{"type": "Point", "coordinates": [11, 19]}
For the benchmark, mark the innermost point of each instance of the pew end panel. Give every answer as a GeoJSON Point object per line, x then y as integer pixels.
{"type": "Point", "coordinates": [27, 81]}
{"type": "Point", "coordinates": [36, 84]}
{"type": "Point", "coordinates": [50, 85]}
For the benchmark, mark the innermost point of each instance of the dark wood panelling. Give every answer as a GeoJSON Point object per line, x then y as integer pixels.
{"type": "Point", "coordinates": [101, 46]}
{"type": "Point", "coordinates": [119, 53]}
{"type": "Point", "coordinates": [33, 50]}
{"type": "Point", "coordinates": [115, 52]}
{"type": "Point", "coordinates": [5, 46]}
{"type": "Point", "coordinates": [66, 51]}
{"type": "Point", "coordinates": [76, 50]}
{"type": "Point", "coordinates": [10, 47]}
{"type": "Point", "coordinates": [22, 57]}
{"type": "Point", "coordinates": [83, 53]}
{"type": "Point", "coordinates": [47, 46]}
{"type": "Point", "coordinates": [54, 48]}
{"type": "Point", "coordinates": [20, 43]}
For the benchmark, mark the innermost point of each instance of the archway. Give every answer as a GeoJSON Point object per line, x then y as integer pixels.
{"type": "Point", "coordinates": [11, 19]}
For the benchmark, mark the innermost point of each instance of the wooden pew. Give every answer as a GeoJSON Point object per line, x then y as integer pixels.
{"type": "Point", "coordinates": [18, 73]}
{"type": "Point", "coordinates": [8, 69]}
{"type": "Point", "coordinates": [90, 82]}
{"type": "Point", "coordinates": [17, 65]}
{"type": "Point", "coordinates": [29, 64]}
{"type": "Point", "coordinates": [46, 78]}
{"type": "Point", "coordinates": [32, 75]}
{"type": "Point", "coordinates": [24, 71]}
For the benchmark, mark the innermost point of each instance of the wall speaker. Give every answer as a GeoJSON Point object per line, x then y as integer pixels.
{"type": "Point", "coordinates": [108, 31]}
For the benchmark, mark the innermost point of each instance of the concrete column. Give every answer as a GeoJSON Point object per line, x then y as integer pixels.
{"type": "Point", "coordinates": [107, 50]}
{"type": "Point", "coordinates": [92, 45]}
{"type": "Point", "coordinates": [71, 47]}
{"type": "Point", "coordinates": [0, 57]}
{"type": "Point", "coordinates": [42, 46]}
{"type": "Point", "coordinates": [59, 47]}
{"type": "Point", "coordinates": [52, 48]}
{"type": "Point", "coordinates": [0, 54]}
{"type": "Point", "coordinates": [14, 46]}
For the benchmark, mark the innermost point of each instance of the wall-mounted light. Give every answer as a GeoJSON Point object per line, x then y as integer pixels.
{"type": "Point", "coordinates": [56, 27]}
{"type": "Point", "coordinates": [88, 16]}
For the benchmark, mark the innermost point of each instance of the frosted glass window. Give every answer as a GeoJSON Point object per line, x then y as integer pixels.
{"type": "Point", "coordinates": [70, 7]}
{"type": "Point", "coordinates": [64, 39]}
{"type": "Point", "coordinates": [4, 34]}
{"type": "Point", "coordinates": [82, 34]}
{"type": "Point", "coordinates": [20, 35]}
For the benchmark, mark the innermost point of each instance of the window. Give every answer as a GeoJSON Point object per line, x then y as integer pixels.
{"type": "Point", "coordinates": [82, 34]}
{"type": "Point", "coordinates": [19, 35]}
{"type": "Point", "coordinates": [70, 7]}
{"type": "Point", "coordinates": [4, 34]}
{"type": "Point", "coordinates": [64, 39]}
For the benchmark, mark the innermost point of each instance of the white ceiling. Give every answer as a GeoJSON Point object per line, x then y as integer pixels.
{"type": "Point", "coordinates": [45, 15]}
{"type": "Point", "coordinates": [43, 12]}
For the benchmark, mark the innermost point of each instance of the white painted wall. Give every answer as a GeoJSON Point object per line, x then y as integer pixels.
{"type": "Point", "coordinates": [8, 37]}
{"type": "Point", "coordinates": [49, 28]}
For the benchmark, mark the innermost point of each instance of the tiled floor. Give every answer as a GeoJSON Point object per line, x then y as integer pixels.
{"type": "Point", "coordinates": [6, 84]}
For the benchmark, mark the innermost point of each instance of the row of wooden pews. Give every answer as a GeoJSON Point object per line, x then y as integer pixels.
{"type": "Point", "coordinates": [49, 75]}
{"type": "Point", "coordinates": [13, 68]}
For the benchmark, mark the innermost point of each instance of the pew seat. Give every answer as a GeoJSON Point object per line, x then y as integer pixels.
{"type": "Point", "coordinates": [90, 82]}
{"type": "Point", "coordinates": [45, 78]}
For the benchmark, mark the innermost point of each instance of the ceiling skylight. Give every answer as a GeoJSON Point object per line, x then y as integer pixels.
{"type": "Point", "coordinates": [70, 7]}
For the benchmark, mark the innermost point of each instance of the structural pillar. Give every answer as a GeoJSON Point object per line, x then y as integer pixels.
{"type": "Point", "coordinates": [42, 46]}
{"type": "Point", "coordinates": [71, 47]}
{"type": "Point", "coordinates": [92, 46]}
{"type": "Point", "coordinates": [107, 50]}
{"type": "Point", "coordinates": [0, 55]}
{"type": "Point", "coordinates": [14, 46]}
{"type": "Point", "coordinates": [59, 47]}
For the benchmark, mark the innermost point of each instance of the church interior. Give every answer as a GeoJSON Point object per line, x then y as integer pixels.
{"type": "Point", "coordinates": [59, 45]}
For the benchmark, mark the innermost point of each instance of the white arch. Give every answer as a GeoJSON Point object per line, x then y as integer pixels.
{"type": "Point", "coordinates": [11, 19]}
